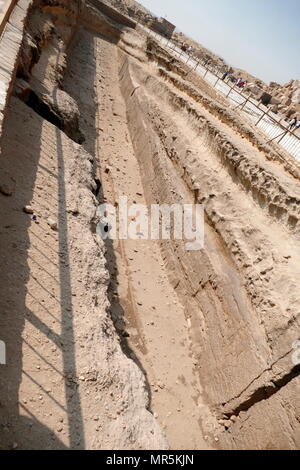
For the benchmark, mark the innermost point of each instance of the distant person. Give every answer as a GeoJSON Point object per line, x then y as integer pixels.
{"type": "Point", "coordinates": [293, 123]}
{"type": "Point", "coordinates": [225, 75]}
{"type": "Point", "coordinates": [298, 125]}
{"type": "Point", "coordinates": [241, 83]}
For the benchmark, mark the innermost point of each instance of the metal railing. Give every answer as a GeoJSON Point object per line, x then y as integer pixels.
{"type": "Point", "coordinates": [275, 128]}
{"type": "Point", "coordinates": [6, 7]}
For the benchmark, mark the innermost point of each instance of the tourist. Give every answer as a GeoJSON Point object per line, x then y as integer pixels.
{"type": "Point", "coordinates": [293, 123]}
{"type": "Point", "coordinates": [242, 83]}
{"type": "Point", "coordinates": [225, 75]}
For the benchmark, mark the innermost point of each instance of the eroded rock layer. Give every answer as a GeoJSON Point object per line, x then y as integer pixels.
{"type": "Point", "coordinates": [139, 344]}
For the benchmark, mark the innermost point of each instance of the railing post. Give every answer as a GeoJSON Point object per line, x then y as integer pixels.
{"type": "Point", "coordinates": [230, 90]}
{"type": "Point", "coordinates": [287, 131]}
{"type": "Point", "coordinates": [280, 135]}
{"type": "Point", "coordinates": [218, 79]}
{"type": "Point", "coordinates": [261, 117]}
{"type": "Point", "coordinates": [244, 104]}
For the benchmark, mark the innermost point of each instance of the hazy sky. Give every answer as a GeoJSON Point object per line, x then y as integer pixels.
{"type": "Point", "coordinates": [260, 36]}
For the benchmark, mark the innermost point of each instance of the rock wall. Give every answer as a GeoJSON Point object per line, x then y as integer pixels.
{"type": "Point", "coordinates": [70, 385]}
{"type": "Point", "coordinates": [288, 97]}
{"type": "Point", "coordinates": [242, 325]}
{"type": "Point", "coordinates": [113, 13]}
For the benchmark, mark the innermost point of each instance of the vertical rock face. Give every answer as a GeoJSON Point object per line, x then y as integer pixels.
{"type": "Point", "coordinates": [67, 383]}
{"type": "Point", "coordinates": [241, 291]}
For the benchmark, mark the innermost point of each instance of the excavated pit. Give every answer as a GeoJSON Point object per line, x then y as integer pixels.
{"type": "Point", "coordinates": [130, 344]}
{"type": "Point", "coordinates": [232, 290]}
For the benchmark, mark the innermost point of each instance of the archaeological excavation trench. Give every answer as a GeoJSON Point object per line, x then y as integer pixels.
{"type": "Point", "coordinates": [139, 344]}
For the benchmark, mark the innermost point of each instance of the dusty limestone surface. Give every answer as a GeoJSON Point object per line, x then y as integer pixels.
{"type": "Point", "coordinates": [67, 382]}
{"type": "Point", "coordinates": [241, 291]}
{"type": "Point", "coordinates": [140, 344]}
